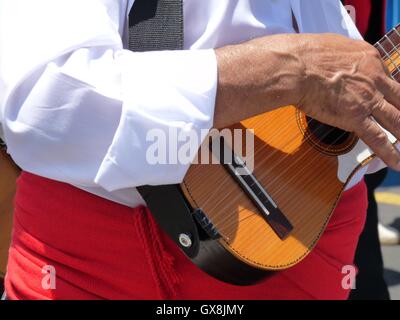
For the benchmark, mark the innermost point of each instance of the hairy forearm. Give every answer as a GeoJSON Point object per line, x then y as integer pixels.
{"type": "Point", "coordinates": [257, 76]}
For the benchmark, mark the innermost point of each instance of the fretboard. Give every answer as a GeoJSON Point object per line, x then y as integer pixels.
{"type": "Point", "coordinates": [389, 48]}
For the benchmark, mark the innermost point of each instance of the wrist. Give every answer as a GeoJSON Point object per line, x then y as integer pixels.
{"type": "Point", "coordinates": [258, 76]}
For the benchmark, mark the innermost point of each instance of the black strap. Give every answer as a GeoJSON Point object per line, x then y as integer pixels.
{"type": "Point", "coordinates": [169, 208]}
{"type": "Point", "coordinates": [156, 25]}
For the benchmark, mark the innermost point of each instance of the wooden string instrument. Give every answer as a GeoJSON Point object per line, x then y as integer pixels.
{"type": "Point", "coordinates": [271, 219]}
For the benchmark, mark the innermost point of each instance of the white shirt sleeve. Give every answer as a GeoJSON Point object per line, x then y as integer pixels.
{"type": "Point", "coordinates": [327, 16]}
{"type": "Point", "coordinates": [78, 107]}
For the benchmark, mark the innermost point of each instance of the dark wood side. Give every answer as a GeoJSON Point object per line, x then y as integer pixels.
{"type": "Point", "coordinates": [215, 260]}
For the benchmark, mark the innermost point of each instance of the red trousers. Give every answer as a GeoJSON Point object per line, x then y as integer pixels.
{"type": "Point", "coordinates": [96, 249]}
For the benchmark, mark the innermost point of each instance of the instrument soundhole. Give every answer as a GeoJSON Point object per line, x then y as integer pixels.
{"type": "Point", "coordinates": [325, 138]}
{"type": "Point", "coordinates": [327, 134]}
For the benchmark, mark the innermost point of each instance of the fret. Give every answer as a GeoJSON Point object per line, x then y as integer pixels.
{"type": "Point", "coordinates": [396, 32]}
{"type": "Point", "coordinates": [396, 76]}
{"type": "Point", "coordinates": [384, 48]}
{"type": "Point", "coordinates": [387, 55]}
{"type": "Point", "coordinates": [389, 48]}
{"type": "Point", "coordinates": [393, 45]}
{"type": "Point", "coordinates": [390, 38]}
{"type": "Point", "coordinates": [380, 49]}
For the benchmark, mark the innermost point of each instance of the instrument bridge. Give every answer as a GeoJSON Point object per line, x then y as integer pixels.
{"type": "Point", "coordinates": [255, 191]}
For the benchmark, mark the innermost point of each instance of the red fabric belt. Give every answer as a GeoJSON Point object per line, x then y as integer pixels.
{"type": "Point", "coordinates": [103, 250]}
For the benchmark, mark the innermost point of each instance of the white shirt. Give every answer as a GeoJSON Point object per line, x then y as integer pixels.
{"type": "Point", "coordinates": [76, 104]}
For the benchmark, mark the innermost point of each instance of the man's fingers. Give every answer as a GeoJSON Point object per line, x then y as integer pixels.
{"type": "Point", "coordinates": [388, 117]}
{"type": "Point", "coordinates": [373, 135]}
{"type": "Point", "coordinates": [391, 91]}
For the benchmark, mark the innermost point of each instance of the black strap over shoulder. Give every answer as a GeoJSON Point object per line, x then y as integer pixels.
{"type": "Point", "coordinates": [156, 25]}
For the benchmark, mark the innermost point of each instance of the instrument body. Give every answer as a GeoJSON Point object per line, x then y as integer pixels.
{"type": "Point", "coordinates": [299, 176]}
{"type": "Point", "coordinates": [301, 169]}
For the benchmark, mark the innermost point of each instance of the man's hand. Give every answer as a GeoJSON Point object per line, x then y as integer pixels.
{"type": "Point", "coordinates": [348, 86]}
{"type": "Point", "coordinates": [336, 80]}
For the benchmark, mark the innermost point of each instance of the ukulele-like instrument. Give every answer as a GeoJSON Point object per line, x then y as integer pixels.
{"type": "Point", "coordinates": [270, 219]}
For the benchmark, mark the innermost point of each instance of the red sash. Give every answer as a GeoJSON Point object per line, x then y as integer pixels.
{"type": "Point", "coordinates": [102, 250]}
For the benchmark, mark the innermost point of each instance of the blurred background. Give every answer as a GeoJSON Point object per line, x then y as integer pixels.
{"type": "Point", "coordinates": [388, 198]}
